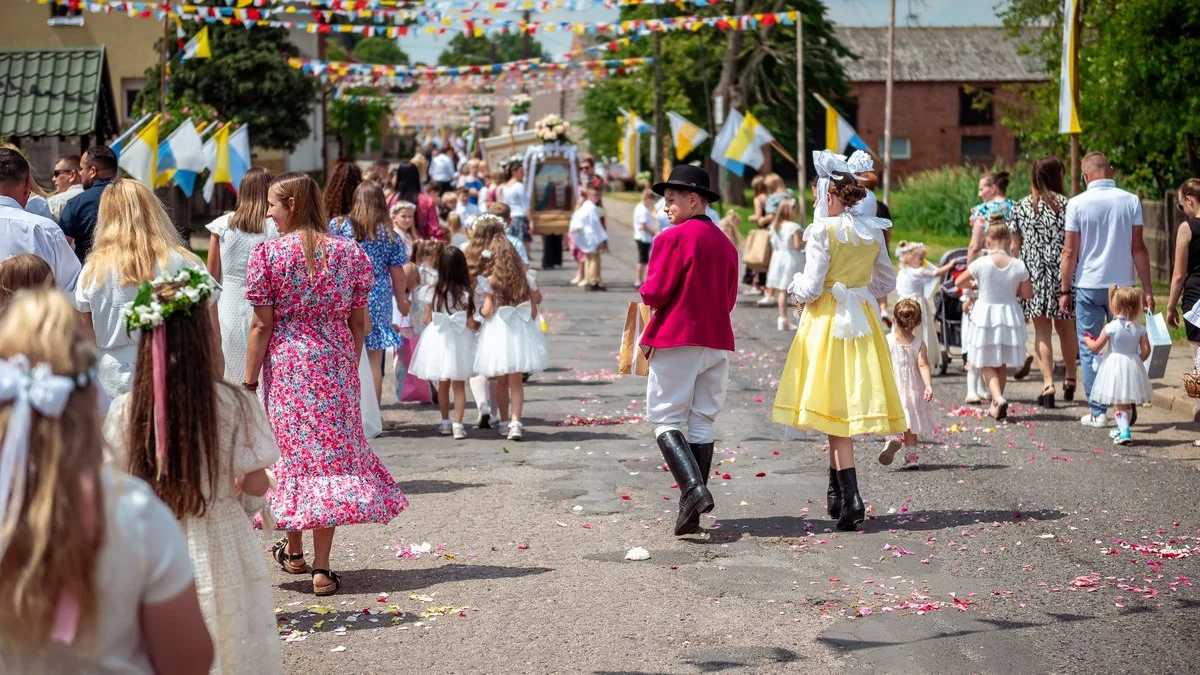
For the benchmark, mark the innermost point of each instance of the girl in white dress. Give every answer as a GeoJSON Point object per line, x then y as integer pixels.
{"type": "Point", "coordinates": [446, 352]}
{"type": "Point", "coordinates": [918, 279]}
{"type": "Point", "coordinates": [1122, 380]}
{"type": "Point", "coordinates": [135, 242]}
{"type": "Point", "coordinates": [914, 379]}
{"type": "Point", "coordinates": [201, 443]}
{"type": "Point", "coordinates": [234, 236]}
{"type": "Point", "coordinates": [787, 257]}
{"type": "Point", "coordinates": [997, 334]}
{"type": "Point", "coordinates": [510, 342]}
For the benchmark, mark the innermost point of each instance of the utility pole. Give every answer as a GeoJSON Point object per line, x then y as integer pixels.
{"type": "Point", "coordinates": [162, 66]}
{"type": "Point", "coordinates": [528, 46]}
{"type": "Point", "coordinates": [659, 149]}
{"type": "Point", "coordinates": [887, 105]}
{"type": "Point", "coordinates": [801, 153]}
{"type": "Point", "coordinates": [1076, 32]}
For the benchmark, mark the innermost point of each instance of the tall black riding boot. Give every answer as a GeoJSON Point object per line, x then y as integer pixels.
{"type": "Point", "coordinates": [703, 452]}
{"type": "Point", "coordinates": [694, 497]}
{"type": "Point", "coordinates": [833, 496]}
{"type": "Point", "coordinates": [853, 509]}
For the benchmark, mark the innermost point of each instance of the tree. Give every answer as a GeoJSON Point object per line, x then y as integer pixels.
{"type": "Point", "coordinates": [479, 51]}
{"type": "Point", "coordinates": [356, 121]}
{"type": "Point", "coordinates": [1139, 81]}
{"type": "Point", "coordinates": [247, 81]}
{"type": "Point", "coordinates": [754, 69]}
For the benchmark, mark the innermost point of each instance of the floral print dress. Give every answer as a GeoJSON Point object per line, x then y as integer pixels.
{"type": "Point", "coordinates": [327, 474]}
{"type": "Point", "coordinates": [385, 252]}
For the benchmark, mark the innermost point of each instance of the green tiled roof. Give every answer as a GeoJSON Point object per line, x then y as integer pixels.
{"type": "Point", "coordinates": [56, 92]}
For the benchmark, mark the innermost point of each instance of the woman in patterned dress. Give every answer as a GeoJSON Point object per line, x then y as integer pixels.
{"type": "Point", "coordinates": [309, 292]}
{"type": "Point", "coordinates": [368, 225]}
{"type": "Point", "coordinates": [1038, 221]}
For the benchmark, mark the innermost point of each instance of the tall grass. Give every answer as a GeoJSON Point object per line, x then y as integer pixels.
{"type": "Point", "coordinates": [938, 202]}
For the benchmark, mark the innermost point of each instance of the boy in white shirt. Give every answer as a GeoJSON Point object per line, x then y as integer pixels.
{"type": "Point", "coordinates": [589, 235]}
{"type": "Point", "coordinates": [464, 208]}
{"type": "Point", "coordinates": [644, 229]}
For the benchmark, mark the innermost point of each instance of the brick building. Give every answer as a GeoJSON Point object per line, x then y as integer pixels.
{"type": "Point", "coordinates": [953, 87]}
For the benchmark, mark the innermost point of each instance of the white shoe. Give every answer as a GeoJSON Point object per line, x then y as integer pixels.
{"type": "Point", "coordinates": [459, 432]}
{"type": "Point", "coordinates": [445, 428]}
{"type": "Point", "coordinates": [890, 449]}
{"type": "Point", "coordinates": [576, 281]}
{"type": "Point", "coordinates": [514, 431]}
{"type": "Point", "coordinates": [766, 302]}
{"type": "Point", "coordinates": [972, 399]}
{"type": "Point", "coordinates": [1114, 433]}
{"type": "Point", "coordinates": [502, 428]}
{"type": "Point", "coordinates": [910, 461]}
{"type": "Point", "coordinates": [1095, 421]}
{"type": "Point", "coordinates": [581, 283]}
{"type": "Point", "coordinates": [781, 323]}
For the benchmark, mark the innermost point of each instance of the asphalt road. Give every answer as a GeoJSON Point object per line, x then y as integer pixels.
{"type": "Point", "coordinates": [1033, 546]}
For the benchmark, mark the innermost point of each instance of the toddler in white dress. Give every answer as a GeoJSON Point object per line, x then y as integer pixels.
{"type": "Point", "coordinates": [787, 257]}
{"type": "Point", "coordinates": [918, 279]}
{"type": "Point", "coordinates": [997, 333]}
{"type": "Point", "coordinates": [914, 379]}
{"type": "Point", "coordinates": [1122, 380]}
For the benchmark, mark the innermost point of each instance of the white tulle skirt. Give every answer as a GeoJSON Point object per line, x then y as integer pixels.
{"type": "Point", "coordinates": [996, 335]}
{"type": "Point", "coordinates": [446, 350]}
{"type": "Point", "coordinates": [510, 341]}
{"type": "Point", "coordinates": [372, 418]}
{"type": "Point", "coordinates": [1121, 380]}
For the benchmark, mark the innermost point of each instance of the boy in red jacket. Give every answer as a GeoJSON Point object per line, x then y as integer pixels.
{"type": "Point", "coordinates": [692, 284]}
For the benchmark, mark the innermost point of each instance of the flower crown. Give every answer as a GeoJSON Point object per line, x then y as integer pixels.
{"type": "Point", "coordinates": [488, 218]}
{"type": "Point", "coordinates": [150, 309]}
{"type": "Point", "coordinates": [908, 248]}
{"type": "Point", "coordinates": [402, 206]}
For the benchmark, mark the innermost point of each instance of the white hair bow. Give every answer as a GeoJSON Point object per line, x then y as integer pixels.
{"type": "Point", "coordinates": [860, 162]}
{"type": "Point", "coordinates": [828, 164]}
{"type": "Point", "coordinates": [27, 389]}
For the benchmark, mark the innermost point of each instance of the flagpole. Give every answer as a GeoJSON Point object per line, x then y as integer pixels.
{"type": "Point", "coordinates": [887, 106]}
{"type": "Point", "coordinates": [1075, 30]}
{"type": "Point", "coordinates": [800, 151]}
{"type": "Point", "coordinates": [162, 65]}
{"type": "Point", "coordinates": [131, 130]}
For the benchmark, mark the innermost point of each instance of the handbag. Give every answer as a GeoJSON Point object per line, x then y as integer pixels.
{"type": "Point", "coordinates": [757, 254]}
{"type": "Point", "coordinates": [632, 360]}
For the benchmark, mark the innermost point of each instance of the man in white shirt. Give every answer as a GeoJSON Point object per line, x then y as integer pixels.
{"type": "Point", "coordinates": [1104, 247]}
{"type": "Point", "coordinates": [589, 236]}
{"type": "Point", "coordinates": [441, 170]}
{"type": "Point", "coordinates": [67, 183]}
{"type": "Point", "coordinates": [644, 229]}
{"type": "Point", "coordinates": [24, 232]}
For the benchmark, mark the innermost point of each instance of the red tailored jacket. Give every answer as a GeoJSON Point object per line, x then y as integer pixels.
{"type": "Point", "coordinates": [692, 284]}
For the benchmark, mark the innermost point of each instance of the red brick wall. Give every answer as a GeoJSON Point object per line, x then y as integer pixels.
{"type": "Point", "coordinates": [927, 113]}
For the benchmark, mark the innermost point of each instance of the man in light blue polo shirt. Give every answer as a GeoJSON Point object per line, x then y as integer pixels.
{"type": "Point", "coordinates": [1104, 247]}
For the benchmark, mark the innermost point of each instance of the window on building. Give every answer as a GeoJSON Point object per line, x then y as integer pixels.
{"type": "Point", "coordinates": [130, 88]}
{"type": "Point", "coordinates": [64, 15]}
{"type": "Point", "coordinates": [901, 147]}
{"type": "Point", "coordinates": [975, 106]}
{"type": "Point", "coordinates": [976, 148]}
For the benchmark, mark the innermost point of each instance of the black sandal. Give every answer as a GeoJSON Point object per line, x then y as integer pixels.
{"type": "Point", "coordinates": [1046, 399]}
{"type": "Point", "coordinates": [1068, 390]}
{"type": "Point", "coordinates": [281, 556]}
{"type": "Point", "coordinates": [322, 591]}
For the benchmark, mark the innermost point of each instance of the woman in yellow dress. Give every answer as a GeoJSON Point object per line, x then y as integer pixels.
{"type": "Point", "coordinates": [838, 378]}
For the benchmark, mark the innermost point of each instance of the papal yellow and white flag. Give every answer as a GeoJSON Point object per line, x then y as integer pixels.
{"type": "Point", "coordinates": [685, 135]}
{"type": "Point", "coordinates": [198, 47]}
{"type": "Point", "coordinates": [746, 145]}
{"type": "Point", "coordinates": [1068, 86]}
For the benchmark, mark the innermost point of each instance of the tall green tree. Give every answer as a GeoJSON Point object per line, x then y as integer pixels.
{"type": "Point", "coordinates": [750, 69]}
{"type": "Point", "coordinates": [354, 122]}
{"type": "Point", "coordinates": [1139, 81]}
{"type": "Point", "coordinates": [247, 80]}
{"type": "Point", "coordinates": [479, 51]}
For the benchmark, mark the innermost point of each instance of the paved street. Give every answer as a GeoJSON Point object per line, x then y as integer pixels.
{"type": "Point", "coordinates": [1026, 547]}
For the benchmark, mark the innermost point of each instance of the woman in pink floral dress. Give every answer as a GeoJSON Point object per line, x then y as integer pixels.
{"type": "Point", "coordinates": [309, 292]}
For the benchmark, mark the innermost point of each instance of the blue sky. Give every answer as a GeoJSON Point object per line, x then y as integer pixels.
{"type": "Point", "coordinates": [425, 48]}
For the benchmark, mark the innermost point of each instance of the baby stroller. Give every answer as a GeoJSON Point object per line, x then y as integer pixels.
{"type": "Point", "coordinates": [950, 315]}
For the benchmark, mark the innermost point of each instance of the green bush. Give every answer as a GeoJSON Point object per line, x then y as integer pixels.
{"type": "Point", "coordinates": [938, 202]}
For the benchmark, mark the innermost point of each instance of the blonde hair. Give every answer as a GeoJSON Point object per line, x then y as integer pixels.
{"type": "Point", "coordinates": [34, 187]}
{"type": "Point", "coordinates": [483, 232]}
{"type": "Point", "coordinates": [251, 213]}
{"type": "Point", "coordinates": [454, 223]}
{"type": "Point", "coordinates": [907, 314]}
{"type": "Point", "coordinates": [23, 271]}
{"type": "Point", "coordinates": [134, 236]}
{"type": "Point", "coordinates": [731, 225]}
{"type": "Point", "coordinates": [59, 526]}
{"type": "Point", "coordinates": [369, 217]}
{"type": "Point", "coordinates": [786, 212]}
{"type": "Point", "coordinates": [915, 251]}
{"type": "Point", "coordinates": [998, 230]}
{"type": "Point", "coordinates": [509, 285]}
{"type": "Point", "coordinates": [1125, 300]}
{"type": "Point", "coordinates": [501, 209]}
{"type": "Point", "coordinates": [773, 183]}
{"type": "Point", "coordinates": [306, 213]}
{"type": "Point", "coordinates": [757, 185]}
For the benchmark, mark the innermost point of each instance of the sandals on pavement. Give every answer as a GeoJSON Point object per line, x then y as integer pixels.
{"type": "Point", "coordinates": [328, 589]}
{"type": "Point", "coordinates": [281, 556]}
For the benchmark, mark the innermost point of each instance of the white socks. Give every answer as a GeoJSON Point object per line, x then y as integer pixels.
{"type": "Point", "coordinates": [1122, 421]}
{"type": "Point", "coordinates": [974, 383]}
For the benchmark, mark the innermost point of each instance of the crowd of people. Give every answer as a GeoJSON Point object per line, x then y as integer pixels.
{"type": "Point", "coordinates": [241, 391]}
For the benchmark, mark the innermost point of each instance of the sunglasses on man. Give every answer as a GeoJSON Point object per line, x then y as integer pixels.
{"type": "Point", "coordinates": [59, 172]}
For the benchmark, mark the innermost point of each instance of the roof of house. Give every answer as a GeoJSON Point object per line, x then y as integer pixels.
{"type": "Point", "coordinates": [56, 92]}
{"type": "Point", "coordinates": [941, 54]}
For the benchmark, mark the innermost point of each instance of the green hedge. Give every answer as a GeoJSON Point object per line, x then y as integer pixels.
{"type": "Point", "coordinates": [939, 202]}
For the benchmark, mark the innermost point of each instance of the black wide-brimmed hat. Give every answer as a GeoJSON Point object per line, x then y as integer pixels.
{"type": "Point", "coordinates": [691, 178]}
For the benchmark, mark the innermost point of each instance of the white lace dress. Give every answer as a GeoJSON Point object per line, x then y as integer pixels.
{"type": "Point", "coordinates": [231, 574]}
{"type": "Point", "coordinates": [917, 412]}
{"type": "Point", "coordinates": [233, 309]}
{"type": "Point", "coordinates": [997, 334]}
{"type": "Point", "coordinates": [786, 262]}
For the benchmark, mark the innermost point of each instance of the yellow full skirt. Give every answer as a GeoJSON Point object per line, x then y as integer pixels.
{"type": "Point", "coordinates": [838, 387]}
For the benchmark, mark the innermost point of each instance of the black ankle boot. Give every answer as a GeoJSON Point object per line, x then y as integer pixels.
{"type": "Point", "coordinates": [833, 496]}
{"type": "Point", "coordinates": [853, 509]}
{"type": "Point", "coordinates": [694, 497]}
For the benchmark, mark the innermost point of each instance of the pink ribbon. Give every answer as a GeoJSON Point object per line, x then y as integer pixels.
{"type": "Point", "coordinates": [159, 357]}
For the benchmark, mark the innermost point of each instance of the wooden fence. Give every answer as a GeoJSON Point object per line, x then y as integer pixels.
{"type": "Point", "coordinates": [1160, 225]}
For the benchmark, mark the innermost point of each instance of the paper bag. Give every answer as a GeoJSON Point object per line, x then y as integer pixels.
{"type": "Point", "coordinates": [632, 360]}
{"type": "Point", "coordinates": [757, 252]}
{"type": "Point", "coordinates": [1160, 345]}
